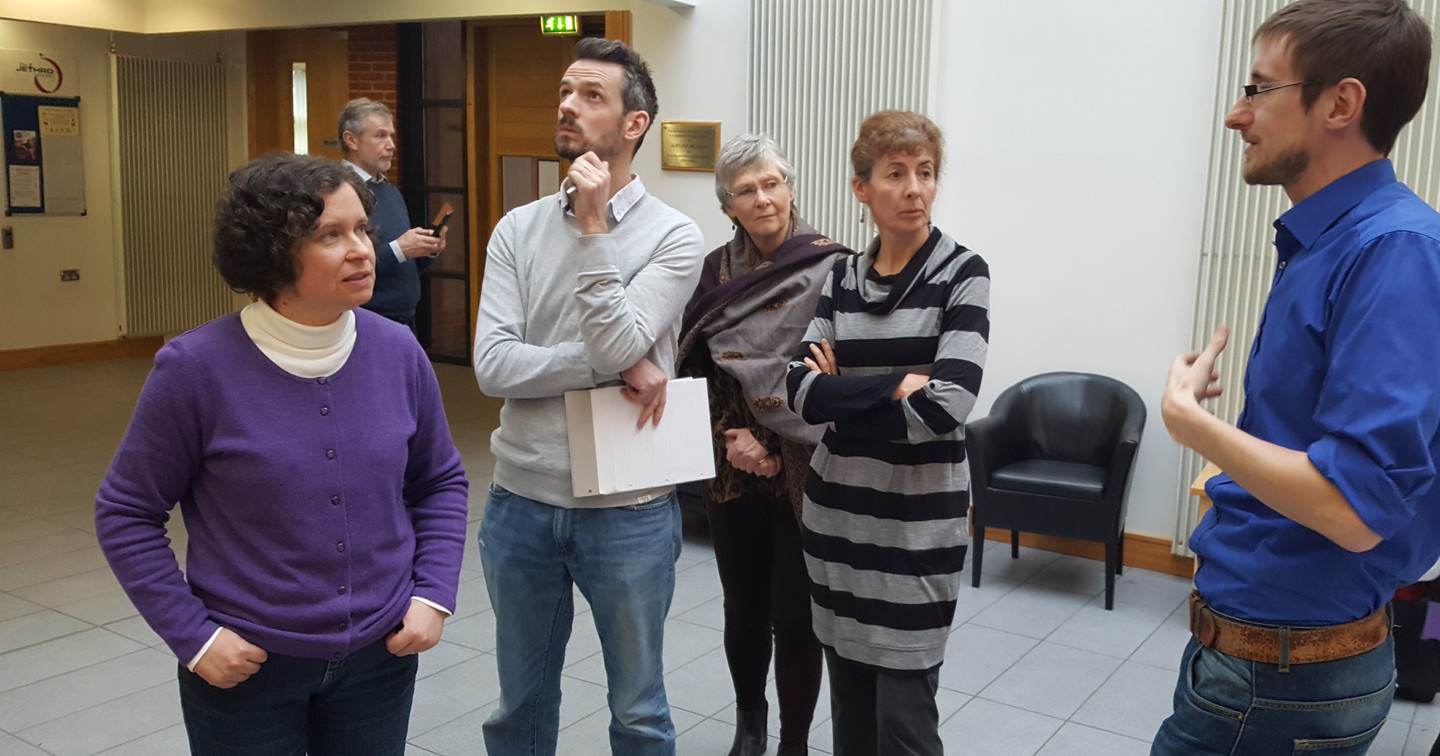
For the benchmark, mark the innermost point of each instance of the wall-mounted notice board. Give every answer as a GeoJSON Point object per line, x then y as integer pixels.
{"type": "Point", "coordinates": [44, 165]}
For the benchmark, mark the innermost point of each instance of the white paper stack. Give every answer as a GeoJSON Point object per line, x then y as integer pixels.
{"type": "Point", "coordinates": [608, 454]}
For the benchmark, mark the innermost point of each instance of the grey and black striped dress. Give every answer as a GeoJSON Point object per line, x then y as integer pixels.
{"type": "Point", "coordinates": [888, 491]}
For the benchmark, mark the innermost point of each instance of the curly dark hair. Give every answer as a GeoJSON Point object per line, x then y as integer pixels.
{"type": "Point", "coordinates": [271, 204]}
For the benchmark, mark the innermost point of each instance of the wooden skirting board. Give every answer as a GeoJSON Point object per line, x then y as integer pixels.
{"type": "Point", "coordinates": [1145, 552]}
{"type": "Point", "coordinates": [69, 354]}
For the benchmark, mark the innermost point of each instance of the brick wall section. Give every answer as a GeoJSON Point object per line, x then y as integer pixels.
{"type": "Point", "coordinates": [373, 52]}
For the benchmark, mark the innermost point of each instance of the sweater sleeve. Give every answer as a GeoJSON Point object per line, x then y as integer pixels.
{"type": "Point", "coordinates": [945, 401]}
{"type": "Point", "coordinates": [436, 494]}
{"type": "Point", "coordinates": [621, 321]}
{"type": "Point", "coordinates": [158, 456]}
{"type": "Point", "coordinates": [820, 398]}
{"type": "Point", "coordinates": [506, 367]}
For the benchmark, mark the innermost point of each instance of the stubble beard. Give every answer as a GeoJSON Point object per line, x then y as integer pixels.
{"type": "Point", "coordinates": [1285, 169]}
{"type": "Point", "coordinates": [569, 149]}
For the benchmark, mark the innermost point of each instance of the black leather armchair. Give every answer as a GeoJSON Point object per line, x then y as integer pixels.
{"type": "Point", "coordinates": [1055, 456]}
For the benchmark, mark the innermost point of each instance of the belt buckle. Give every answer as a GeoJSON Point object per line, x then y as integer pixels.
{"type": "Point", "coordinates": [1202, 622]}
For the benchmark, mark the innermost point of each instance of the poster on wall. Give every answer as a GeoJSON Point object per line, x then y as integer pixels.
{"type": "Point", "coordinates": [44, 166]}
{"type": "Point", "coordinates": [40, 131]}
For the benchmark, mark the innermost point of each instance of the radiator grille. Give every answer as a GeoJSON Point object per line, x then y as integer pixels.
{"type": "Point", "coordinates": [1236, 254]}
{"type": "Point", "coordinates": [817, 68]}
{"type": "Point", "coordinates": [171, 148]}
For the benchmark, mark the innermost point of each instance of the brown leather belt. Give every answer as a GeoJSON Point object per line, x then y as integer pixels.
{"type": "Point", "coordinates": [1284, 646]}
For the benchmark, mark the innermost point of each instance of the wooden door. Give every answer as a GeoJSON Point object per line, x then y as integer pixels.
{"type": "Point", "coordinates": [271, 56]}
{"type": "Point", "coordinates": [513, 84]}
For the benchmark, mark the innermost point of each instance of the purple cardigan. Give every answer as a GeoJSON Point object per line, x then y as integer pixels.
{"type": "Point", "coordinates": [315, 507]}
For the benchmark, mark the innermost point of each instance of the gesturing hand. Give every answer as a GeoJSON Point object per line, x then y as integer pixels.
{"type": "Point", "coordinates": [645, 385]}
{"type": "Point", "coordinates": [419, 631]}
{"type": "Point", "coordinates": [1192, 379]}
{"type": "Point", "coordinates": [822, 358]}
{"type": "Point", "coordinates": [230, 660]}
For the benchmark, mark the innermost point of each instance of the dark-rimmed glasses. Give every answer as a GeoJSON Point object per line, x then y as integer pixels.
{"type": "Point", "coordinates": [1258, 89]}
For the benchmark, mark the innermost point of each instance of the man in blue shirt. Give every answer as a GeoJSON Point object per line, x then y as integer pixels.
{"type": "Point", "coordinates": [1328, 502]}
{"type": "Point", "coordinates": [367, 137]}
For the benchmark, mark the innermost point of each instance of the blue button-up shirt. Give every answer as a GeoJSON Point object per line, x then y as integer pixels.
{"type": "Point", "coordinates": [1345, 367]}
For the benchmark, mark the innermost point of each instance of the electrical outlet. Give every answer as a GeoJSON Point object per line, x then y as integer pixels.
{"type": "Point", "coordinates": [70, 274]}
{"type": "Point", "coordinates": [7, 237]}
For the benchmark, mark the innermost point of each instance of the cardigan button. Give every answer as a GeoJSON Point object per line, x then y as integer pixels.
{"type": "Point", "coordinates": [324, 410]}
{"type": "Point", "coordinates": [340, 547]}
{"type": "Point", "coordinates": [344, 626]}
{"type": "Point", "coordinates": [334, 501]}
{"type": "Point", "coordinates": [340, 590]}
{"type": "Point", "coordinates": [329, 453]}
{"type": "Point", "coordinates": [322, 381]}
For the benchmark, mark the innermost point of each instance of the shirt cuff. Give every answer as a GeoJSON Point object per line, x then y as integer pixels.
{"type": "Point", "coordinates": [426, 602]}
{"type": "Point", "coordinates": [395, 247]}
{"type": "Point", "coordinates": [203, 649]}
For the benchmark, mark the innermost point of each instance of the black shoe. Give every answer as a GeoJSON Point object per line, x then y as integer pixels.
{"type": "Point", "coordinates": [750, 737]}
{"type": "Point", "coordinates": [1414, 694]}
{"type": "Point", "coordinates": [793, 750]}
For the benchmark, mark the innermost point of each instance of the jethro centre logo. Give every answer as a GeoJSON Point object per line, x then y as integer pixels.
{"type": "Point", "coordinates": [48, 76]}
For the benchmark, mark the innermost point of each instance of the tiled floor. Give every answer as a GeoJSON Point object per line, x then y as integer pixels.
{"type": "Point", "coordinates": [1034, 666]}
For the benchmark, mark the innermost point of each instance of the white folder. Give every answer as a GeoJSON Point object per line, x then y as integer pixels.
{"type": "Point", "coordinates": [608, 454]}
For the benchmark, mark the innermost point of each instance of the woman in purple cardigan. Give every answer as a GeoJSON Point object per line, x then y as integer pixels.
{"type": "Point", "coordinates": [325, 503]}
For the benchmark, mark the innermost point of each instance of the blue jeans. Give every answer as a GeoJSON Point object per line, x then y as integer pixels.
{"type": "Point", "coordinates": [1232, 707]}
{"type": "Point", "coordinates": [623, 561]}
{"type": "Point", "coordinates": [294, 706]}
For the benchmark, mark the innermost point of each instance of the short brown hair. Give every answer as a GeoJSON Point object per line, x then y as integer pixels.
{"type": "Point", "coordinates": [892, 132]}
{"type": "Point", "coordinates": [1382, 43]}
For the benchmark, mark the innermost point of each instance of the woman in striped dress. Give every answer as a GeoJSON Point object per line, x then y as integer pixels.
{"type": "Point", "coordinates": [892, 364]}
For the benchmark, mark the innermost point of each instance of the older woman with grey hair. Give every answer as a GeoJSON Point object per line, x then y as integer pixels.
{"type": "Point", "coordinates": [756, 296]}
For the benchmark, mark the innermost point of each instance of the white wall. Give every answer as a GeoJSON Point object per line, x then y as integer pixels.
{"type": "Point", "coordinates": [1079, 138]}
{"type": "Point", "coordinates": [699, 58]}
{"type": "Point", "coordinates": [36, 308]}
{"type": "Point", "coordinates": [120, 15]}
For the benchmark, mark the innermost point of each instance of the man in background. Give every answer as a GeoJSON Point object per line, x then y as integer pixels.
{"type": "Point", "coordinates": [367, 137]}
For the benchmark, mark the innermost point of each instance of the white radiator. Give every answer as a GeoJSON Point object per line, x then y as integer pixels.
{"type": "Point", "coordinates": [169, 142]}
{"type": "Point", "coordinates": [817, 68]}
{"type": "Point", "coordinates": [1237, 259]}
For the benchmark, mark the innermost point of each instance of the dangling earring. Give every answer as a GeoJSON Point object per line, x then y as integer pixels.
{"type": "Point", "coordinates": [864, 214]}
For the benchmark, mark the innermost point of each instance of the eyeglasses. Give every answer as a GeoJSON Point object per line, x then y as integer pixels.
{"type": "Point", "coordinates": [1251, 90]}
{"type": "Point", "coordinates": [751, 194]}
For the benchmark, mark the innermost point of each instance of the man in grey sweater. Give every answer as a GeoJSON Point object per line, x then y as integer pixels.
{"type": "Point", "coordinates": [582, 288]}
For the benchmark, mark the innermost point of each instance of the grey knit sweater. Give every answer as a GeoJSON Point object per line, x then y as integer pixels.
{"type": "Point", "coordinates": [561, 311]}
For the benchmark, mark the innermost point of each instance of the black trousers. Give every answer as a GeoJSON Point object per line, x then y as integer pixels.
{"type": "Point", "coordinates": [767, 593]}
{"type": "Point", "coordinates": [874, 713]}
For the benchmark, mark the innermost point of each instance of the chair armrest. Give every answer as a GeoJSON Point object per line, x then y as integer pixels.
{"type": "Point", "coordinates": [1122, 468]}
{"type": "Point", "coordinates": [988, 447]}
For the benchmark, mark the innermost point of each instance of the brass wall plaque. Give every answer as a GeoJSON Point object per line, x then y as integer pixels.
{"type": "Point", "coordinates": [689, 145]}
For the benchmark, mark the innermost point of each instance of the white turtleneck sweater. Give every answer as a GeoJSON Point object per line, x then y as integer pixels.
{"type": "Point", "coordinates": [306, 351]}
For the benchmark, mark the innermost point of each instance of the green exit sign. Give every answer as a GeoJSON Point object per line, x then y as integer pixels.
{"type": "Point", "coordinates": [559, 24]}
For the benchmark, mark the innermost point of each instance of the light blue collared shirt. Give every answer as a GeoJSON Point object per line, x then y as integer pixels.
{"type": "Point", "coordinates": [618, 205]}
